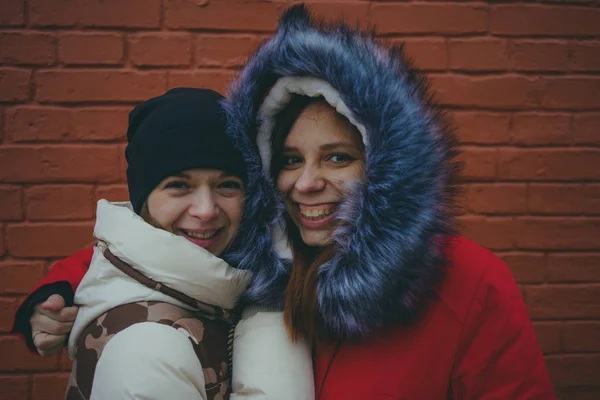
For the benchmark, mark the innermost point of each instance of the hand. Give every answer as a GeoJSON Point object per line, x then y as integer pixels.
{"type": "Point", "coordinates": [51, 323]}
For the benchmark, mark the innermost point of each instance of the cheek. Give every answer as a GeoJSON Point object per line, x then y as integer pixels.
{"type": "Point", "coordinates": [164, 209]}
{"type": "Point", "coordinates": [285, 181]}
{"type": "Point", "coordinates": [233, 207]}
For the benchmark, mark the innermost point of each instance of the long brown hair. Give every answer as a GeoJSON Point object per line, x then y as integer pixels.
{"type": "Point", "coordinates": [301, 309]}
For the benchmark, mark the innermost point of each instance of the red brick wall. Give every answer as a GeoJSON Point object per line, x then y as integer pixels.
{"type": "Point", "coordinates": [522, 81]}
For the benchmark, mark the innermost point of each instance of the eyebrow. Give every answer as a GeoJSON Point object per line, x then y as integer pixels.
{"type": "Point", "coordinates": [180, 175]}
{"type": "Point", "coordinates": [325, 147]}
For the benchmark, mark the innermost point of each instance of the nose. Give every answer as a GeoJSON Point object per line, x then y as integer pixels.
{"type": "Point", "coordinates": [204, 206]}
{"type": "Point", "coordinates": [310, 180]}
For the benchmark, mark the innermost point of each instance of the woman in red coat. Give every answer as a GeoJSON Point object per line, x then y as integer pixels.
{"type": "Point", "coordinates": [397, 306]}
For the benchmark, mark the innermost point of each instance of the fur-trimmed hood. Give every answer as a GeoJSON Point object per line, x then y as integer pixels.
{"type": "Point", "coordinates": [391, 241]}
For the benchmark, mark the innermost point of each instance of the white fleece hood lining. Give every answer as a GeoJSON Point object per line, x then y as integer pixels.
{"type": "Point", "coordinates": [281, 94]}
{"type": "Point", "coordinates": [275, 101]}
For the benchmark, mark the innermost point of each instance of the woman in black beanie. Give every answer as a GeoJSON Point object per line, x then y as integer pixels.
{"type": "Point", "coordinates": [156, 306]}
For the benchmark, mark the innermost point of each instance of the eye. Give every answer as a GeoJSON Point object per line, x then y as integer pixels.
{"type": "Point", "coordinates": [177, 185]}
{"type": "Point", "coordinates": [230, 188]}
{"type": "Point", "coordinates": [340, 158]}
{"type": "Point", "coordinates": [290, 162]}
{"type": "Point", "coordinates": [235, 185]}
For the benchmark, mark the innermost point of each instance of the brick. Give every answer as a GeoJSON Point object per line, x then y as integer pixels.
{"type": "Point", "coordinates": [56, 124]}
{"type": "Point", "coordinates": [96, 13]}
{"type": "Point", "coordinates": [538, 55]}
{"type": "Point", "coordinates": [478, 127]}
{"type": "Point", "coordinates": [498, 92]}
{"type": "Point", "coordinates": [217, 80]}
{"type": "Point", "coordinates": [2, 243]}
{"type": "Point", "coordinates": [49, 386]}
{"type": "Point", "coordinates": [578, 393]}
{"type": "Point", "coordinates": [165, 49]}
{"type": "Point", "coordinates": [497, 198]}
{"type": "Point", "coordinates": [565, 267]}
{"type": "Point", "coordinates": [526, 267]}
{"type": "Point", "coordinates": [16, 357]}
{"type": "Point", "coordinates": [478, 54]}
{"type": "Point", "coordinates": [14, 84]}
{"type": "Point", "coordinates": [72, 86]}
{"type": "Point", "coordinates": [582, 336]}
{"type": "Point", "coordinates": [542, 20]}
{"type": "Point", "coordinates": [12, 13]}
{"type": "Point", "coordinates": [446, 18]}
{"type": "Point", "coordinates": [95, 48]}
{"type": "Point", "coordinates": [88, 163]}
{"type": "Point", "coordinates": [224, 50]}
{"type": "Point", "coordinates": [591, 199]}
{"type": "Point", "coordinates": [541, 129]}
{"type": "Point", "coordinates": [255, 16]}
{"type": "Point", "coordinates": [119, 13]}
{"type": "Point", "coordinates": [574, 370]}
{"type": "Point", "coordinates": [461, 202]}
{"type": "Point", "coordinates": [11, 205]}
{"type": "Point", "coordinates": [563, 301]}
{"type": "Point", "coordinates": [48, 239]}
{"type": "Point", "coordinates": [428, 54]}
{"type": "Point", "coordinates": [350, 11]}
{"type": "Point", "coordinates": [548, 164]}
{"type": "Point", "coordinates": [112, 193]}
{"type": "Point", "coordinates": [585, 56]}
{"type": "Point", "coordinates": [574, 93]}
{"type": "Point", "coordinates": [20, 276]}
{"type": "Point", "coordinates": [549, 336]}
{"type": "Point", "coordinates": [586, 128]}
{"type": "Point", "coordinates": [479, 163]}
{"type": "Point", "coordinates": [14, 387]}
{"type": "Point", "coordinates": [8, 307]}
{"type": "Point", "coordinates": [494, 233]}
{"type": "Point", "coordinates": [554, 233]}
{"type": "Point", "coordinates": [59, 202]}
{"type": "Point", "coordinates": [53, 12]}
{"type": "Point", "coordinates": [27, 48]}
{"type": "Point", "coordinates": [554, 198]}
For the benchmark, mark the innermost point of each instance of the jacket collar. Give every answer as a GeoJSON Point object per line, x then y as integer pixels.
{"type": "Point", "coordinates": [168, 258]}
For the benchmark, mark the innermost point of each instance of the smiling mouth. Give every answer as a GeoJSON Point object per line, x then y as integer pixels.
{"type": "Point", "coordinates": [317, 213]}
{"type": "Point", "coordinates": [201, 235]}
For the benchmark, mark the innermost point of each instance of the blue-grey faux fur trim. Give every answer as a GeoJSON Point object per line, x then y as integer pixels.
{"type": "Point", "coordinates": [253, 247]}
{"type": "Point", "coordinates": [391, 244]}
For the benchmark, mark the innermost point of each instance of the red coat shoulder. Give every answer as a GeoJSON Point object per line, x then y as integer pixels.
{"type": "Point", "coordinates": [472, 270]}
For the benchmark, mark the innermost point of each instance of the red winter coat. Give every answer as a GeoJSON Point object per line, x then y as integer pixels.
{"type": "Point", "coordinates": [473, 341]}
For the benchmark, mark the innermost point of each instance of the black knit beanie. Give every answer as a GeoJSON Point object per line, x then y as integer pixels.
{"type": "Point", "coordinates": [184, 128]}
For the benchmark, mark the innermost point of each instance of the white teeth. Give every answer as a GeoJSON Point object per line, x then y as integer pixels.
{"type": "Point", "coordinates": [317, 213]}
{"type": "Point", "coordinates": [198, 235]}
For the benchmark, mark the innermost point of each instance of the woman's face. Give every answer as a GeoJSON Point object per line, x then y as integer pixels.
{"type": "Point", "coordinates": [322, 155]}
{"type": "Point", "coordinates": [202, 205]}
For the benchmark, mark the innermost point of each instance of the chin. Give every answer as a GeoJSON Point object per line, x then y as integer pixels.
{"type": "Point", "coordinates": [316, 239]}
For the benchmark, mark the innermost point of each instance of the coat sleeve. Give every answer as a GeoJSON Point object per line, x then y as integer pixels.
{"type": "Point", "coordinates": [267, 365]}
{"type": "Point", "coordinates": [499, 356]}
{"type": "Point", "coordinates": [148, 361]}
{"type": "Point", "coordinates": [63, 279]}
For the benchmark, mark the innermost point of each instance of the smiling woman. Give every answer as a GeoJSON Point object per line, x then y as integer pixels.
{"type": "Point", "coordinates": [202, 205]}
{"type": "Point", "coordinates": [318, 159]}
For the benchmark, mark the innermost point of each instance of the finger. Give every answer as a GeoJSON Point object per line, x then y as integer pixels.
{"type": "Point", "coordinates": [51, 351]}
{"type": "Point", "coordinates": [45, 324]}
{"type": "Point", "coordinates": [53, 303]}
{"type": "Point", "coordinates": [67, 314]}
{"type": "Point", "coordinates": [46, 342]}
